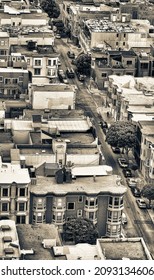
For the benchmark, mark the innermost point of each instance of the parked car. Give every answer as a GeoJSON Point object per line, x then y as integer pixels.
{"type": "Point", "coordinates": [71, 54]}
{"type": "Point", "coordinates": [136, 192]}
{"type": "Point", "coordinates": [127, 172]}
{"type": "Point", "coordinates": [70, 73]}
{"type": "Point", "coordinates": [116, 150]}
{"type": "Point", "coordinates": [141, 203]}
{"type": "Point", "coordinates": [73, 61]}
{"type": "Point", "coordinates": [122, 162]}
{"type": "Point", "coordinates": [103, 124]}
{"type": "Point", "coordinates": [58, 36]}
{"type": "Point", "coordinates": [132, 182]}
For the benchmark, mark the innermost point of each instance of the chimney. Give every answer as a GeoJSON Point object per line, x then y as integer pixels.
{"type": "Point", "coordinates": [94, 178]}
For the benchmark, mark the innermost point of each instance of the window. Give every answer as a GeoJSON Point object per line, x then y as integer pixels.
{"type": "Point", "coordinates": [124, 43]}
{"type": "Point", "coordinates": [124, 35]}
{"type": "Point", "coordinates": [20, 79]}
{"type": "Point", "coordinates": [20, 219]}
{"type": "Point", "coordinates": [104, 75]}
{"type": "Point", "coordinates": [54, 62]}
{"type": "Point", "coordinates": [80, 198]}
{"type": "Point", "coordinates": [15, 81]}
{"type": "Point", "coordinates": [21, 206]}
{"type": "Point", "coordinates": [144, 65]}
{"type": "Point", "coordinates": [117, 43]}
{"type": "Point", "coordinates": [79, 213]}
{"type": "Point", "coordinates": [7, 81]}
{"type": "Point", "coordinates": [28, 61]}
{"type": "Point", "coordinates": [117, 35]}
{"type": "Point", "coordinates": [2, 43]}
{"type": "Point", "coordinates": [2, 52]}
{"type": "Point", "coordinates": [5, 192]}
{"type": "Point", "coordinates": [129, 62]}
{"type": "Point", "coordinates": [22, 192]}
{"type": "Point", "coordinates": [71, 205]}
{"type": "Point", "coordinates": [49, 62]}
{"type": "Point", "coordinates": [1, 79]}
{"type": "Point", "coordinates": [37, 71]}
{"type": "Point", "coordinates": [5, 207]}
{"type": "Point", "coordinates": [37, 62]}
{"type": "Point", "coordinates": [59, 203]}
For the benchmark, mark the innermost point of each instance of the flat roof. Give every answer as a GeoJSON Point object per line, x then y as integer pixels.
{"type": "Point", "coordinates": [12, 238]}
{"type": "Point", "coordinates": [83, 251]}
{"type": "Point", "coordinates": [6, 137]}
{"type": "Point", "coordinates": [13, 173]}
{"type": "Point", "coordinates": [52, 87]}
{"type": "Point", "coordinates": [87, 185]}
{"type": "Point", "coordinates": [99, 170]}
{"type": "Point", "coordinates": [127, 248]}
{"type": "Point", "coordinates": [31, 237]}
{"type": "Point", "coordinates": [141, 109]}
{"type": "Point", "coordinates": [60, 113]}
{"type": "Point", "coordinates": [46, 51]}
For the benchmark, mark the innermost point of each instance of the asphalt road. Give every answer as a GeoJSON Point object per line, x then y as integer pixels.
{"type": "Point", "coordinates": [139, 222]}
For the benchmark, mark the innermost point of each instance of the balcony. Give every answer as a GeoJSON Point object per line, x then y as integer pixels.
{"type": "Point", "coordinates": [88, 208]}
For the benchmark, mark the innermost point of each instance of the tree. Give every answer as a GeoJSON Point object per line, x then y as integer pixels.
{"type": "Point", "coordinates": [83, 64]}
{"type": "Point", "coordinates": [122, 135]}
{"type": "Point", "coordinates": [80, 230]}
{"type": "Point", "coordinates": [51, 8]}
{"type": "Point", "coordinates": [148, 192]}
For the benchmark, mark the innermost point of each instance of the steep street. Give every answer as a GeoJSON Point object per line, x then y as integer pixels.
{"type": "Point", "coordinates": [139, 221]}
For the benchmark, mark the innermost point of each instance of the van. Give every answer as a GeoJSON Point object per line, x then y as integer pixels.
{"type": "Point", "coordinates": [124, 218]}
{"type": "Point", "coordinates": [70, 73]}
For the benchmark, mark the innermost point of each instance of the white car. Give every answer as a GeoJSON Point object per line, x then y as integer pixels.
{"type": "Point", "coordinates": [141, 203]}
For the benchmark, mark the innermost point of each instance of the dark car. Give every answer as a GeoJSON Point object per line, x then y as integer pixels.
{"type": "Point", "coordinates": [70, 73]}
{"type": "Point", "coordinates": [71, 54]}
{"type": "Point", "coordinates": [103, 124]}
{"type": "Point", "coordinates": [116, 150]}
{"type": "Point", "coordinates": [127, 172]}
{"type": "Point", "coordinates": [136, 192]}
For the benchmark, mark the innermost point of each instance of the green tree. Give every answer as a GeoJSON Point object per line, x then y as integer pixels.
{"type": "Point", "coordinates": [122, 135]}
{"type": "Point", "coordinates": [80, 230]}
{"type": "Point", "coordinates": [148, 192]}
{"type": "Point", "coordinates": [51, 8]}
{"type": "Point", "coordinates": [83, 64]}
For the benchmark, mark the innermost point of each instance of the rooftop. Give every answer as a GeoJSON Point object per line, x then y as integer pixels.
{"type": "Point", "coordinates": [47, 51]}
{"type": "Point", "coordinates": [5, 137]}
{"type": "Point", "coordinates": [52, 87]}
{"type": "Point", "coordinates": [127, 248]}
{"type": "Point", "coordinates": [87, 185]}
{"type": "Point", "coordinates": [95, 25]}
{"type": "Point", "coordinates": [55, 113]}
{"type": "Point", "coordinates": [9, 240]}
{"type": "Point", "coordinates": [13, 173]}
{"type": "Point", "coordinates": [31, 237]}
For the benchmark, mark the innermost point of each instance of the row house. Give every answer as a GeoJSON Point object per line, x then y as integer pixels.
{"type": "Point", "coordinates": [112, 62]}
{"type": "Point", "coordinates": [13, 82]}
{"type": "Point", "coordinates": [14, 192]}
{"type": "Point", "coordinates": [4, 43]}
{"type": "Point", "coordinates": [42, 61]}
{"type": "Point", "coordinates": [98, 198]}
{"type": "Point", "coordinates": [128, 96]}
{"type": "Point", "coordinates": [144, 149]}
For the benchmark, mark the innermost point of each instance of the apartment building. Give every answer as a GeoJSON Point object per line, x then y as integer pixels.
{"type": "Point", "coordinates": [98, 198]}
{"type": "Point", "coordinates": [124, 33]}
{"type": "Point", "coordinates": [112, 62]}
{"type": "Point", "coordinates": [42, 61]}
{"type": "Point", "coordinates": [14, 191]}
